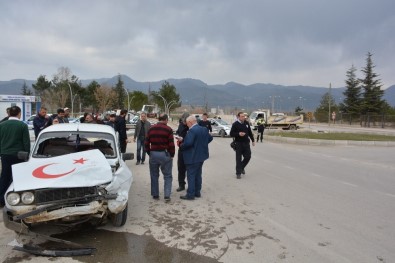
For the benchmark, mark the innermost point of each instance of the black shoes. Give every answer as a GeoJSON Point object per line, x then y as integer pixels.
{"type": "Point", "coordinates": [181, 188]}
{"type": "Point", "coordinates": [142, 162]}
{"type": "Point", "coordinates": [138, 162]}
{"type": "Point", "coordinates": [243, 172]}
{"type": "Point", "coordinates": [156, 197]}
{"type": "Point", "coordinates": [198, 196]}
{"type": "Point", "coordinates": [238, 176]}
{"type": "Point", "coordinates": [167, 199]}
{"type": "Point", "coordinates": [185, 197]}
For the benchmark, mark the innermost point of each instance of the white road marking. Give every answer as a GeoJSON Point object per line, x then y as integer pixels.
{"type": "Point", "coordinates": [349, 184]}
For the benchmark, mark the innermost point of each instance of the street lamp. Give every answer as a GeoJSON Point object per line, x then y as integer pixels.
{"type": "Point", "coordinates": [169, 105]}
{"type": "Point", "coordinates": [164, 102]}
{"type": "Point", "coordinates": [127, 94]}
{"type": "Point", "coordinates": [72, 100]}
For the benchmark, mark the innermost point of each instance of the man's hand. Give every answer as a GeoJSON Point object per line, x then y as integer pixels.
{"type": "Point", "coordinates": [253, 143]}
{"type": "Point", "coordinates": [242, 134]}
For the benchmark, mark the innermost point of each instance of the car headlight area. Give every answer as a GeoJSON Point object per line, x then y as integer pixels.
{"type": "Point", "coordinates": [24, 198]}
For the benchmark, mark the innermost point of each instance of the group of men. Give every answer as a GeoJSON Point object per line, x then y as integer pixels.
{"type": "Point", "coordinates": [158, 141]}
{"type": "Point", "coordinates": [192, 138]}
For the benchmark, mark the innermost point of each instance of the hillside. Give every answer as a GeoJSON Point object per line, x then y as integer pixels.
{"type": "Point", "coordinates": [196, 92]}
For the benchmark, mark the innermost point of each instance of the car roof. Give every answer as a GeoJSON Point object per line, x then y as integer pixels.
{"type": "Point", "coordinates": [85, 127]}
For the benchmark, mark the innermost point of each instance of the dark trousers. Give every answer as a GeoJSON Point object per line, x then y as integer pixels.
{"type": "Point", "coordinates": [6, 173]}
{"type": "Point", "coordinates": [122, 144]}
{"type": "Point", "coordinates": [261, 134]}
{"type": "Point", "coordinates": [243, 156]}
{"type": "Point", "coordinates": [194, 176]}
{"type": "Point", "coordinates": [181, 169]}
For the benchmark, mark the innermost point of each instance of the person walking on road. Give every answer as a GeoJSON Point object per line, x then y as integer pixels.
{"type": "Point", "coordinates": [14, 137]}
{"type": "Point", "coordinates": [159, 145]}
{"type": "Point", "coordinates": [205, 122]}
{"type": "Point", "coordinates": [142, 127]}
{"type": "Point", "coordinates": [195, 152]}
{"type": "Point", "coordinates": [261, 128]}
{"type": "Point", "coordinates": [242, 133]}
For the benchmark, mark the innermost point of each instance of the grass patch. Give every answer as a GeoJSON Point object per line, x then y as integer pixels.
{"type": "Point", "coordinates": [335, 136]}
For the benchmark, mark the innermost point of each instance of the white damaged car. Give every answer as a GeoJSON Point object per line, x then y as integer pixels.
{"type": "Point", "coordinates": [75, 173]}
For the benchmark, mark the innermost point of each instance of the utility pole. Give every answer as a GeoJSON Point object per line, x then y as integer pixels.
{"type": "Point", "coordinates": [329, 103]}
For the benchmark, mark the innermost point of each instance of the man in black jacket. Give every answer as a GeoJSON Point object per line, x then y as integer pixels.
{"type": "Point", "coordinates": [241, 131]}
{"type": "Point", "coordinates": [41, 121]}
{"type": "Point", "coordinates": [120, 127]}
{"type": "Point", "coordinates": [142, 127]}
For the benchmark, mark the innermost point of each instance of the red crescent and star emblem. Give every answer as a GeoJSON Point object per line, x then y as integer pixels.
{"type": "Point", "coordinates": [39, 171]}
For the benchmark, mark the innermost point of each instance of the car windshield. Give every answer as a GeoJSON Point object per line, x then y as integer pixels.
{"type": "Point", "coordinates": [61, 143]}
{"type": "Point", "coordinates": [253, 115]}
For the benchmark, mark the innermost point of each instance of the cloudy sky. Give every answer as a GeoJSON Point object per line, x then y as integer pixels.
{"type": "Point", "coordinates": [287, 42]}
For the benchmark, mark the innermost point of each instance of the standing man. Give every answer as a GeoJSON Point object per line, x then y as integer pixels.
{"type": "Point", "coordinates": [41, 121]}
{"type": "Point", "coordinates": [241, 131]}
{"type": "Point", "coordinates": [205, 123]}
{"type": "Point", "coordinates": [60, 116]}
{"type": "Point", "coordinates": [111, 120]}
{"type": "Point", "coordinates": [181, 133]}
{"type": "Point", "coordinates": [120, 127]}
{"type": "Point", "coordinates": [66, 115]}
{"type": "Point", "coordinates": [261, 128]}
{"type": "Point", "coordinates": [14, 137]}
{"type": "Point", "coordinates": [195, 152]}
{"type": "Point", "coordinates": [8, 115]}
{"type": "Point", "coordinates": [159, 145]}
{"type": "Point", "coordinates": [142, 127]}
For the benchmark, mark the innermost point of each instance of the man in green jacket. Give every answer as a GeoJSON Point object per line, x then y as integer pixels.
{"type": "Point", "coordinates": [14, 137]}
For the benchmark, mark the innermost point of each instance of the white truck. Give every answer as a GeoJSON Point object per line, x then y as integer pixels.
{"type": "Point", "coordinates": [276, 120]}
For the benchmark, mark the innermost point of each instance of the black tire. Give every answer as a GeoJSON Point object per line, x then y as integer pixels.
{"type": "Point", "coordinates": [292, 127]}
{"type": "Point", "coordinates": [119, 219]}
{"type": "Point", "coordinates": [222, 133]}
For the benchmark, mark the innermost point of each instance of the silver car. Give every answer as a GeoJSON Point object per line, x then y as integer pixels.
{"type": "Point", "coordinates": [220, 127]}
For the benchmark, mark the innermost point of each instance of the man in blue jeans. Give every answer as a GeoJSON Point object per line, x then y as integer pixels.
{"type": "Point", "coordinates": [159, 145]}
{"type": "Point", "coordinates": [142, 127]}
{"type": "Point", "coordinates": [195, 152]}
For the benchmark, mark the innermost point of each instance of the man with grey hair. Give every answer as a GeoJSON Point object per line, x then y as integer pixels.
{"type": "Point", "coordinates": [195, 152]}
{"type": "Point", "coordinates": [142, 127]}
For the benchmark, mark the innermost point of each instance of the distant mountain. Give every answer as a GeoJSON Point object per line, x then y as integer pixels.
{"type": "Point", "coordinates": [196, 92]}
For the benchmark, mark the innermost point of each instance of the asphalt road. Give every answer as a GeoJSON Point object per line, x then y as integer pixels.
{"type": "Point", "coordinates": [296, 203]}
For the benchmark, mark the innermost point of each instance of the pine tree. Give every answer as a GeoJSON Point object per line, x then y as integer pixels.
{"type": "Point", "coordinates": [371, 102]}
{"type": "Point", "coordinates": [120, 94]}
{"type": "Point", "coordinates": [25, 90]}
{"type": "Point", "coordinates": [322, 112]}
{"type": "Point", "coordinates": [352, 102]}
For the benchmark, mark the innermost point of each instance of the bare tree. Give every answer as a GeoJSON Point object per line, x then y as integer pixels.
{"type": "Point", "coordinates": [105, 97]}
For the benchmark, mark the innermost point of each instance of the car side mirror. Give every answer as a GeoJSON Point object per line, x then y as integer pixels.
{"type": "Point", "coordinates": [127, 156]}
{"type": "Point", "coordinates": [23, 156]}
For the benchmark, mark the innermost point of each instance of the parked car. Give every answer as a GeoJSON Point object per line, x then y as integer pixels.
{"type": "Point", "coordinates": [75, 173]}
{"type": "Point", "coordinates": [220, 127]}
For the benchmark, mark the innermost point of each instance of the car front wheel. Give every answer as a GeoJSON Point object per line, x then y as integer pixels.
{"type": "Point", "coordinates": [120, 218]}
{"type": "Point", "coordinates": [222, 133]}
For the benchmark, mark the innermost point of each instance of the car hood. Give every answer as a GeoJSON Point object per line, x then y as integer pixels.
{"type": "Point", "coordinates": [82, 169]}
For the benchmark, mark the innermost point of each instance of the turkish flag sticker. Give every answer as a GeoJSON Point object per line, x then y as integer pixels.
{"type": "Point", "coordinates": [82, 169]}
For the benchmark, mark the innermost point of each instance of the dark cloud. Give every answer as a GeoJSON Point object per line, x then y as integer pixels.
{"type": "Point", "coordinates": [309, 42]}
